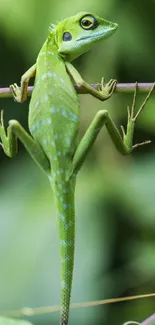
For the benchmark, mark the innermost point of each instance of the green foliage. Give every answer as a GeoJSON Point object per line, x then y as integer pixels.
{"type": "Point", "coordinates": [9, 321]}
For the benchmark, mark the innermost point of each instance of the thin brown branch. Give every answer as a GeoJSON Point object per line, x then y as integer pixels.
{"type": "Point", "coordinates": [149, 321]}
{"type": "Point", "coordinates": [120, 88]}
{"type": "Point", "coordinates": [27, 311]}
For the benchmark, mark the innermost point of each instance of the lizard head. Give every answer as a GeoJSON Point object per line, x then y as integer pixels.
{"type": "Point", "coordinates": [78, 34]}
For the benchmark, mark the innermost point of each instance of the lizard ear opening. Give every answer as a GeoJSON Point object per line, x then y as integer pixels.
{"type": "Point", "coordinates": [67, 36]}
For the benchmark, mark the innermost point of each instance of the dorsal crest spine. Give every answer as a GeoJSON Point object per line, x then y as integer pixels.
{"type": "Point", "coordinates": [51, 28]}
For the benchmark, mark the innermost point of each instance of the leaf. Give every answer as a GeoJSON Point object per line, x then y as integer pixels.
{"type": "Point", "coordinates": [10, 321]}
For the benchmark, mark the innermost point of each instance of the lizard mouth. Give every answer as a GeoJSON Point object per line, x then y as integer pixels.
{"type": "Point", "coordinates": [99, 35]}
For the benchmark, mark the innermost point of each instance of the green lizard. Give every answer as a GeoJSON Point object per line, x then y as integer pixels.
{"type": "Point", "coordinates": [54, 124]}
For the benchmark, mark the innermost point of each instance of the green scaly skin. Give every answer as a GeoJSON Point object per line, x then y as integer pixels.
{"type": "Point", "coordinates": [54, 124]}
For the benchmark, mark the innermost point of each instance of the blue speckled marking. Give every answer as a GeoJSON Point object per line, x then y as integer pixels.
{"type": "Point", "coordinates": [52, 109]}
{"type": "Point", "coordinates": [67, 206]}
{"type": "Point", "coordinates": [49, 121]}
{"type": "Point", "coordinates": [64, 285]}
{"type": "Point", "coordinates": [68, 225]}
{"type": "Point", "coordinates": [64, 113]}
{"type": "Point", "coordinates": [68, 141]}
{"type": "Point", "coordinates": [62, 80]}
{"type": "Point", "coordinates": [61, 216]}
{"type": "Point", "coordinates": [66, 259]}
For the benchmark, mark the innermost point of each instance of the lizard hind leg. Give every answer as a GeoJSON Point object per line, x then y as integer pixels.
{"type": "Point", "coordinates": [9, 143]}
{"type": "Point", "coordinates": [8, 139]}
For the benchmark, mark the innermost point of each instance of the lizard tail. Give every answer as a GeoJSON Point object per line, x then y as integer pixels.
{"type": "Point", "coordinates": [66, 221]}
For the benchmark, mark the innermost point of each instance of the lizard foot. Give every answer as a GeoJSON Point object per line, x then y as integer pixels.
{"type": "Point", "coordinates": [16, 92]}
{"type": "Point", "coordinates": [107, 90]}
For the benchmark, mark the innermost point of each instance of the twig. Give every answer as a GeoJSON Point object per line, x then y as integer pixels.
{"type": "Point", "coordinates": [27, 311]}
{"type": "Point", "coordinates": [120, 88]}
{"type": "Point", "coordinates": [149, 321]}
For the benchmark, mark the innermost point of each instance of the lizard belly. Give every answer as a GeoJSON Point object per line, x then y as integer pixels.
{"type": "Point", "coordinates": [54, 120]}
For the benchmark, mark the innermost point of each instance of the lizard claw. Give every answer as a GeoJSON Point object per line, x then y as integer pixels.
{"type": "Point", "coordinates": [100, 86]}
{"type": "Point", "coordinates": [16, 92]}
{"type": "Point", "coordinates": [107, 90]}
{"type": "Point", "coordinates": [2, 130]}
{"type": "Point", "coordinates": [1, 145]}
{"type": "Point", "coordinates": [132, 117]}
{"type": "Point", "coordinates": [110, 87]}
{"type": "Point", "coordinates": [2, 119]}
{"type": "Point", "coordinates": [141, 144]}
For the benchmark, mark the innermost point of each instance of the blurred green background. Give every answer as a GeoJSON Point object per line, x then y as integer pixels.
{"type": "Point", "coordinates": [115, 201]}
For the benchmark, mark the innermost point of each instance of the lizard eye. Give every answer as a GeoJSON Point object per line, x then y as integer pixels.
{"type": "Point", "coordinates": [89, 22]}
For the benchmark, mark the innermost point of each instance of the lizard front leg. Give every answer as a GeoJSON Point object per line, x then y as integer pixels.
{"type": "Point", "coordinates": [102, 93]}
{"type": "Point", "coordinates": [20, 93]}
{"type": "Point", "coordinates": [9, 143]}
{"type": "Point", "coordinates": [123, 145]}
